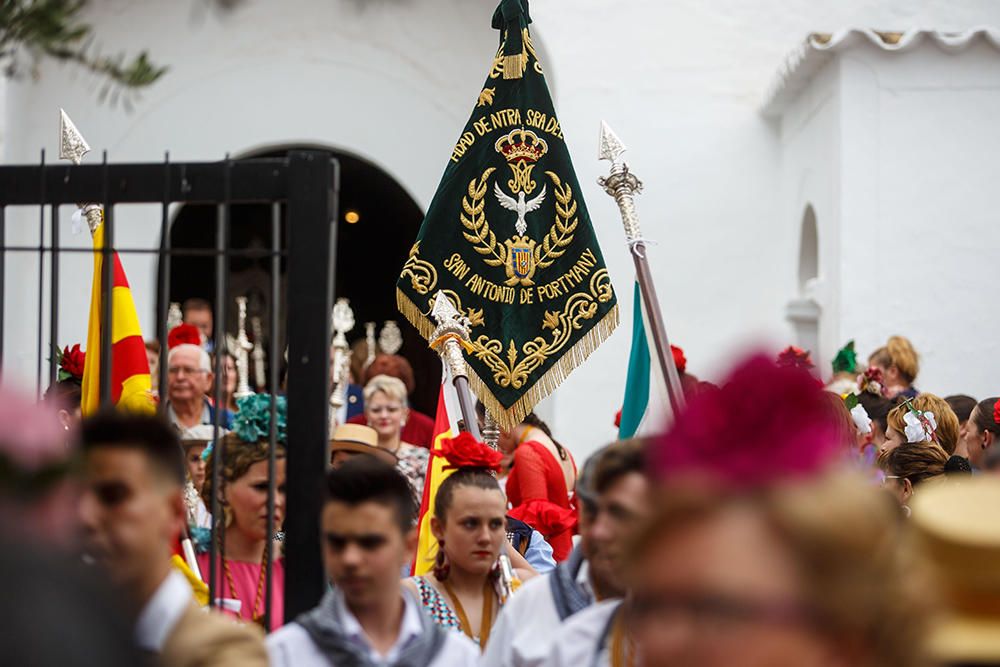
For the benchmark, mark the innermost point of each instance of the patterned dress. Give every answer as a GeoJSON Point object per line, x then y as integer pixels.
{"type": "Point", "coordinates": [413, 465]}
{"type": "Point", "coordinates": [435, 605]}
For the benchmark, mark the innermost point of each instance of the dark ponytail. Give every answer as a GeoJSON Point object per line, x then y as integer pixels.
{"type": "Point", "coordinates": [531, 419]}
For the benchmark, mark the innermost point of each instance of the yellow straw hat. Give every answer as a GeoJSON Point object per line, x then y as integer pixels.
{"type": "Point", "coordinates": [360, 439]}
{"type": "Point", "coordinates": [957, 526]}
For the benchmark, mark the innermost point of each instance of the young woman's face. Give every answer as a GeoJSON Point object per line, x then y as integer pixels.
{"type": "Point", "coordinates": [247, 497]}
{"type": "Point", "coordinates": [974, 439]}
{"type": "Point", "coordinates": [893, 439]}
{"type": "Point", "coordinates": [195, 465]}
{"type": "Point", "coordinates": [474, 529]}
{"type": "Point", "coordinates": [229, 374]}
{"type": "Point", "coordinates": [386, 415]}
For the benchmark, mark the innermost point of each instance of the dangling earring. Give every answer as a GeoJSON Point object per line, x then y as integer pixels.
{"type": "Point", "coordinates": [441, 565]}
{"type": "Point", "coordinates": [227, 515]}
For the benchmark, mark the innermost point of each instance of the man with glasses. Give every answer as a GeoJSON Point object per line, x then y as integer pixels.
{"type": "Point", "coordinates": [368, 618]}
{"type": "Point", "coordinates": [189, 380]}
{"type": "Point", "coordinates": [614, 495]}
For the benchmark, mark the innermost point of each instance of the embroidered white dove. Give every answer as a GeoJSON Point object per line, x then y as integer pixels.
{"type": "Point", "coordinates": [519, 205]}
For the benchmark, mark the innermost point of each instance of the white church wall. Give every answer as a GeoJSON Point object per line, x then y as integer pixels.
{"type": "Point", "coordinates": [394, 82]}
{"type": "Point", "coordinates": [920, 222]}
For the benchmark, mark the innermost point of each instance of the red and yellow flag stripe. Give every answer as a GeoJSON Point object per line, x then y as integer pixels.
{"type": "Point", "coordinates": [131, 387]}
{"type": "Point", "coordinates": [445, 426]}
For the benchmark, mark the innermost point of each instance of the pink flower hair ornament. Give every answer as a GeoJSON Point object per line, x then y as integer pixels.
{"type": "Point", "coordinates": [766, 424]}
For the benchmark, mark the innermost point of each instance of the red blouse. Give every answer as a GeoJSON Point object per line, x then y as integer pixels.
{"type": "Point", "coordinates": [536, 489]}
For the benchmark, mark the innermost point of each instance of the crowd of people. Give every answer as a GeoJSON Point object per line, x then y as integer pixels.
{"type": "Point", "coordinates": [788, 515]}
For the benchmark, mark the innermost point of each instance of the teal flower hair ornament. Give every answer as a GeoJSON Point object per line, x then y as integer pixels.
{"type": "Point", "coordinates": [252, 422]}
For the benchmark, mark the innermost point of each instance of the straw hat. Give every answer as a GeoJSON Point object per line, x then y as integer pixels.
{"type": "Point", "coordinates": [362, 440]}
{"type": "Point", "coordinates": [200, 433]}
{"type": "Point", "coordinates": [957, 525]}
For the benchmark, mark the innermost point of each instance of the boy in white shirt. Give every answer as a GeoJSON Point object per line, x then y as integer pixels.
{"type": "Point", "coordinates": [368, 619]}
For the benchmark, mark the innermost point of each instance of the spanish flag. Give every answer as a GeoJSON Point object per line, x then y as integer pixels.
{"type": "Point", "coordinates": [445, 426]}
{"type": "Point", "coordinates": [131, 387]}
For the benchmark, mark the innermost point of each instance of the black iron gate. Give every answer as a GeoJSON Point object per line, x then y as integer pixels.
{"type": "Point", "coordinates": [306, 183]}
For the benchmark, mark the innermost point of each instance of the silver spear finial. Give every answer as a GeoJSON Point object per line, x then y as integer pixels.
{"type": "Point", "coordinates": [621, 184]}
{"type": "Point", "coordinates": [610, 147]}
{"type": "Point", "coordinates": [72, 145]}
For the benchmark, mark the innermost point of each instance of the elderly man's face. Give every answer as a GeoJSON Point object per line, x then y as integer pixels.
{"type": "Point", "coordinates": [186, 379]}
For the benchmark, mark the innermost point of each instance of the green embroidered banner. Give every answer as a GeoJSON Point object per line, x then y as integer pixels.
{"type": "Point", "coordinates": [508, 238]}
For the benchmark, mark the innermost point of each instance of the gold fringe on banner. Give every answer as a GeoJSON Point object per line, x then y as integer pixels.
{"type": "Point", "coordinates": [509, 418]}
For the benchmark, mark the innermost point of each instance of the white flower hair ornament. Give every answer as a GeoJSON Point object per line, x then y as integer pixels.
{"type": "Point", "coordinates": [861, 419]}
{"type": "Point", "coordinates": [920, 426]}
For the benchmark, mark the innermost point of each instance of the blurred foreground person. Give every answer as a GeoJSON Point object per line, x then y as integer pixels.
{"type": "Point", "coordinates": [763, 549]}
{"type": "Point", "coordinates": [37, 492]}
{"type": "Point", "coordinates": [957, 526]}
{"type": "Point", "coordinates": [614, 498]}
{"type": "Point", "coordinates": [132, 511]}
{"type": "Point", "coordinates": [368, 618]}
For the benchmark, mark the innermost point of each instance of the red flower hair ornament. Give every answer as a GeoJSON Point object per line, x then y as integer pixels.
{"type": "Point", "coordinates": [996, 412]}
{"type": "Point", "coordinates": [766, 424]}
{"type": "Point", "coordinates": [183, 334]}
{"type": "Point", "coordinates": [795, 357]}
{"type": "Point", "coordinates": [464, 451]}
{"type": "Point", "coordinates": [70, 363]}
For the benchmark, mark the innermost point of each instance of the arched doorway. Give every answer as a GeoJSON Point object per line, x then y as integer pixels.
{"type": "Point", "coordinates": [804, 310]}
{"type": "Point", "coordinates": [378, 221]}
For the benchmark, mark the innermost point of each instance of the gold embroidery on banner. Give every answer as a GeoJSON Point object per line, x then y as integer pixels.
{"type": "Point", "coordinates": [422, 275]}
{"type": "Point", "coordinates": [484, 241]}
{"type": "Point", "coordinates": [560, 234]}
{"type": "Point", "coordinates": [521, 149]}
{"type": "Point", "coordinates": [529, 47]}
{"type": "Point", "coordinates": [520, 255]}
{"type": "Point", "coordinates": [486, 97]}
{"type": "Point", "coordinates": [512, 372]}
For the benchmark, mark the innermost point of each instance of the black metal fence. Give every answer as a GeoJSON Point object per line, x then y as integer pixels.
{"type": "Point", "coordinates": [306, 184]}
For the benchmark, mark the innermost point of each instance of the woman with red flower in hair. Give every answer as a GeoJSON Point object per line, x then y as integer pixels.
{"type": "Point", "coordinates": [982, 436]}
{"type": "Point", "coordinates": [463, 591]}
{"type": "Point", "coordinates": [65, 392]}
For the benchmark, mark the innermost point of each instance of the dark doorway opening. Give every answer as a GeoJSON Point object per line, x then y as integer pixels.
{"type": "Point", "coordinates": [376, 228]}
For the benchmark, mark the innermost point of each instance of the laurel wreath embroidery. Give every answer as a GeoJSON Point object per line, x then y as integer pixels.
{"type": "Point", "coordinates": [473, 219]}
{"type": "Point", "coordinates": [484, 240]}
{"type": "Point", "coordinates": [560, 235]}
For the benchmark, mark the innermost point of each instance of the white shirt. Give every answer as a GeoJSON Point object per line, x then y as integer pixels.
{"type": "Point", "coordinates": [523, 633]}
{"type": "Point", "coordinates": [577, 644]}
{"type": "Point", "coordinates": [161, 613]}
{"type": "Point", "coordinates": [292, 645]}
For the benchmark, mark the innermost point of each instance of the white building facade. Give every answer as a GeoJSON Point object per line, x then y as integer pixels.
{"type": "Point", "coordinates": [883, 148]}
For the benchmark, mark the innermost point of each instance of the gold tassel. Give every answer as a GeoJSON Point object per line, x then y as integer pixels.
{"type": "Point", "coordinates": [513, 66]}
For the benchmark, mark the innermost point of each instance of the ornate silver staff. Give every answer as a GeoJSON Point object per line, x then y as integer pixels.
{"type": "Point", "coordinates": [370, 343]}
{"type": "Point", "coordinates": [175, 317]}
{"type": "Point", "coordinates": [342, 321]}
{"type": "Point", "coordinates": [259, 377]}
{"type": "Point", "coordinates": [390, 339]}
{"type": "Point", "coordinates": [448, 339]}
{"type": "Point", "coordinates": [242, 350]}
{"type": "Point", "coordinates": [622, 184]}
